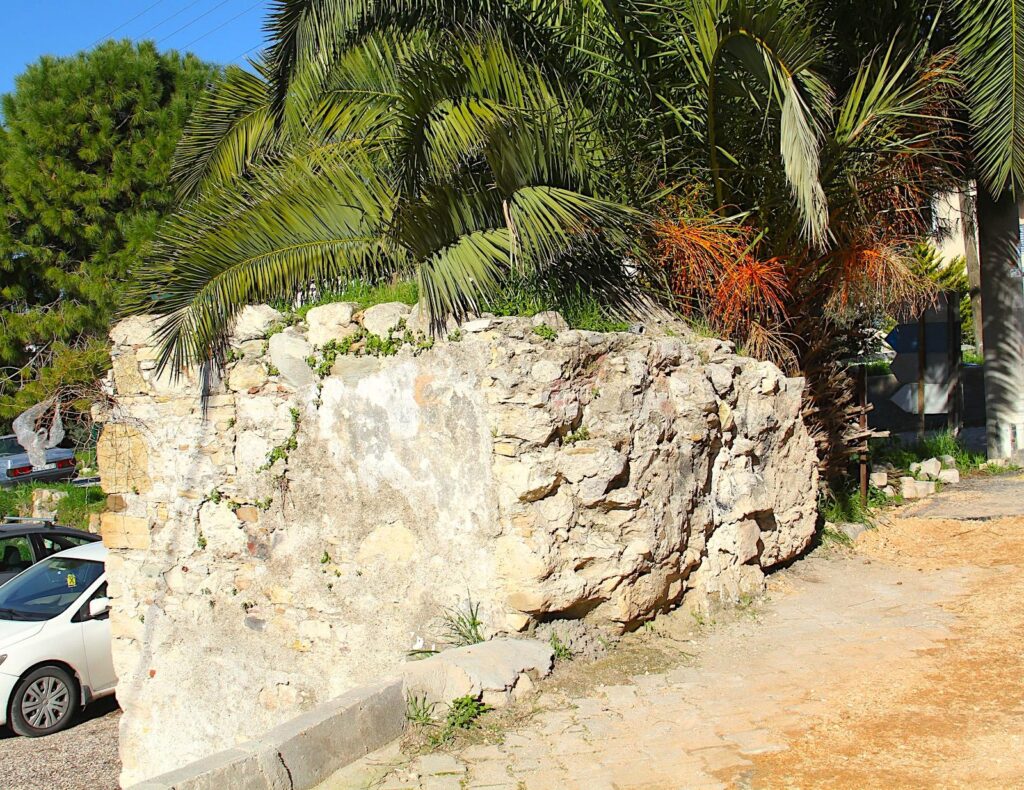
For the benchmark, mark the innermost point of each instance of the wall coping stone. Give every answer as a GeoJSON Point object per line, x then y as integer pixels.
{"type": "Point", "coordinates": [302, 752]}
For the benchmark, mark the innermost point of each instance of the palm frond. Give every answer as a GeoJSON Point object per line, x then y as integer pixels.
{"type": "Point", "coordinates": [991, 44]}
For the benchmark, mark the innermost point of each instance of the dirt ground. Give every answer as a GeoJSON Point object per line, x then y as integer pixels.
{"type": "Point", "coordinates": [897, 664]}
{"type": "Point", "coordinates": [951, 716]}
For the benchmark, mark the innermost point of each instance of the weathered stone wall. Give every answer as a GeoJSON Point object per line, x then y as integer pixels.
{"type": "Point", "coordinates": [301, 534]}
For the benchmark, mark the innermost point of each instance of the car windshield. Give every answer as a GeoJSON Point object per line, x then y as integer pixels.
{"type": "Point", "coordinates": [9, 446]}
{"type": "Point", "coordinates": [47, 588]}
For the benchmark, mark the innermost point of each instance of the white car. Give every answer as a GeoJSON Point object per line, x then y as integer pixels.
{"type": "Point", "coordinates": [55, 641]}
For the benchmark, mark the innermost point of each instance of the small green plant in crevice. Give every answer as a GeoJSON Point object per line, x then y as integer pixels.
{"type": "Point", "coordinates": [325, 558]}
{"type": "Point", "coordinates": [272, 370]}
{"type": "Point", "coordinates": [201, 540]}
{"type": "Point", "coordinates": [579, 435]}
{"type": "Point", "coordinates": [463, 713]}
{"type": "Point", "coordinates": [545, 332]}
{"type": "Point", "coordinates": [560, 649]}
{"type": "Point", "coordinates": [282, 451]}
{"type": "Point", "coordinates": [264, 504]}
{"type": "Point", "coordinates": [834, 537]}
{"type": "Point", "coordinates": [455, 336]}
{"type": "Point", "coordinates": [234, 355]}
{"type": "Point", "coordinates": [462, 627]}
{"type": "Point", "coordinates": [363, 343]}
{"type": "Point", "coordinates": [419, 712]}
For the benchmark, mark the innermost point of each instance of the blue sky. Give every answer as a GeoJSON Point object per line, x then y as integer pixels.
{"type": "Point", "coordinates": [216, 30]}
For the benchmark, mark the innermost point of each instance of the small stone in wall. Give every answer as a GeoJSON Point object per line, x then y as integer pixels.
{"type": "Point", "coordinates": [288, 353]}
{"type": "Point", "coordinates": [331, 322]}
{"type": "Point", "coordinates": [254, 321]}
{"type": "Point", "coordinates": [381, 318]}
{"type": "Point", "coordinates": [551, 318]}
{"type": "Point", "coordinates": [247, 375]}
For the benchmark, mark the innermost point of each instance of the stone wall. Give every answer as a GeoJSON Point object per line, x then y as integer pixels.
{"type": "Point", "coordinates": [300, 530]}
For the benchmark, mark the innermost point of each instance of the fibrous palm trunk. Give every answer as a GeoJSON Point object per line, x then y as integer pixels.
{"type": "Point", "coordinates": [1002, 298]}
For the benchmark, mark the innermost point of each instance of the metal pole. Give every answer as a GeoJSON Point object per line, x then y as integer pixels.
{"type": "Point", "coordinates": [922, 361]}
{"type": "Point", "coordinates": [862, 399]}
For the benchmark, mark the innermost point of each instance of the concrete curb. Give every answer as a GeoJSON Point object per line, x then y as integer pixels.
{"type": "Point", "coordinates": [302, 752]}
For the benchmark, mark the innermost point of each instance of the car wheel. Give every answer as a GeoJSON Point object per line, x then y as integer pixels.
{"type": "Point", "coordinates": [44, 702]}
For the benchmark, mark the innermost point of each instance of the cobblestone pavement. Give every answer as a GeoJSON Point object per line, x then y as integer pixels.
{"type": "Point", "coordinates": [81, 758]}
{"type": "Point", "coordinates": [897, 664]}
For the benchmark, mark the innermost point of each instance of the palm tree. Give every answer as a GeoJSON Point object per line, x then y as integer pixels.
{"type": "Point", "coordinates": [463, 141]}
{"type": "Point", "coordinates": [446, 157]}
{"type": "Point", "coordinates": [990, 40]}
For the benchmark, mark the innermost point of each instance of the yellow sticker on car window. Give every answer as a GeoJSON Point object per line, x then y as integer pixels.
{"type": "Point", "coordinates": [72, 581]}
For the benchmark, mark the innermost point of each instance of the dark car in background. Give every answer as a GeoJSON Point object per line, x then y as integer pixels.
{"type": "Point", "coordinates": [15, 467]}
{"type": "Point", "coordinates": [26, 541]}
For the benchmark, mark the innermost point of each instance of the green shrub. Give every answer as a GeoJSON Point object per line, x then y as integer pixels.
{"type": "Point", "coordinates": [902, 455]}
{"type": "Point", "coordinates": [72, 511]}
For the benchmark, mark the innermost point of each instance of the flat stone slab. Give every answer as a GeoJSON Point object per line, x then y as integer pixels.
{"type": "Point", "coordinates": [975, 499]}
{"type": "Point", "coordinates": [495, 671]}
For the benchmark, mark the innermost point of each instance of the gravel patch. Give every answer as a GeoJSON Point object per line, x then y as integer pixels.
{"type": "Point", "coordinates": [81, 758]}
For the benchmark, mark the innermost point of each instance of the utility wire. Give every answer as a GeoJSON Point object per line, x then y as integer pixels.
{"type": "Point", "coordinates": [167, 19]}
{"type": "Point", "coordinates": [222, 24]}
{"type": "Point", "coordinates": [241, 55]}
{"type": "Point", "coordinates": [143, 12]}
{"type": "Point", "coordinates": [189, 24]}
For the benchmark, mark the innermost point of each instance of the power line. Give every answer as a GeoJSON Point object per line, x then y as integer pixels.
{"type": "Point", "coordinates": [143, 12]}
{"type": "Point", "coordinates": [241, 55]}
{"type": "Point", "coordinates": [222, 24]}
{"type": "Point", "coordinates": [165, 20]}
{"type": "Point", "coordinates": [189, 24]}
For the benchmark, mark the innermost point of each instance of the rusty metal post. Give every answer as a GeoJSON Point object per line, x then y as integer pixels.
{"type": "Point", "coordinates": [862, 401]}
{"type": "Point", "coordinates": [922, 363]}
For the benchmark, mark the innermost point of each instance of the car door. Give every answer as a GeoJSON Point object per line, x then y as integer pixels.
{"type": "Point", "coordinates": [96, 638]}
{"type": "Point", "coordinates": [16, 554]}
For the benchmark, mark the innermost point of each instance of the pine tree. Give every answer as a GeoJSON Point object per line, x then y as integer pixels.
{"type": "Point", "coordinates": [86, 144]}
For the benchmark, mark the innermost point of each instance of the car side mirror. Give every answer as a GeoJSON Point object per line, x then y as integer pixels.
{"type": "Point", "coordinates": [99, 607]}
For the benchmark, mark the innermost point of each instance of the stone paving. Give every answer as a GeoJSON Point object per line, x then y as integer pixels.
{"type": "Point", "coordinates": [738, 689]}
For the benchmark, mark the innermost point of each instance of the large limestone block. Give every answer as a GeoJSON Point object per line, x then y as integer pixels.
{"type": "Point", "coordinates": [253, 322]}
{"type": "Point", "coordinates": [381, 318]}
{"type": "Point", "coordinates": [127, 375]}
{"type": "Point", "coordinates": [496, 671]}
{"type": "Point", "coordinates": [289, 352]}
{"type": "Point", "coordinates": [123, 460]}
{"type": "Point", "coordinates": [331, 322]}
{"type": "Point", "coordinates": [124, 532]}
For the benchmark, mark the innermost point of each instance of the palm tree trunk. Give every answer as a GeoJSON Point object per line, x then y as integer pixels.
{"type": "Point", "coordinates": [969, 227]}
{"type": "Point", "coordinates": [1002, 299]}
